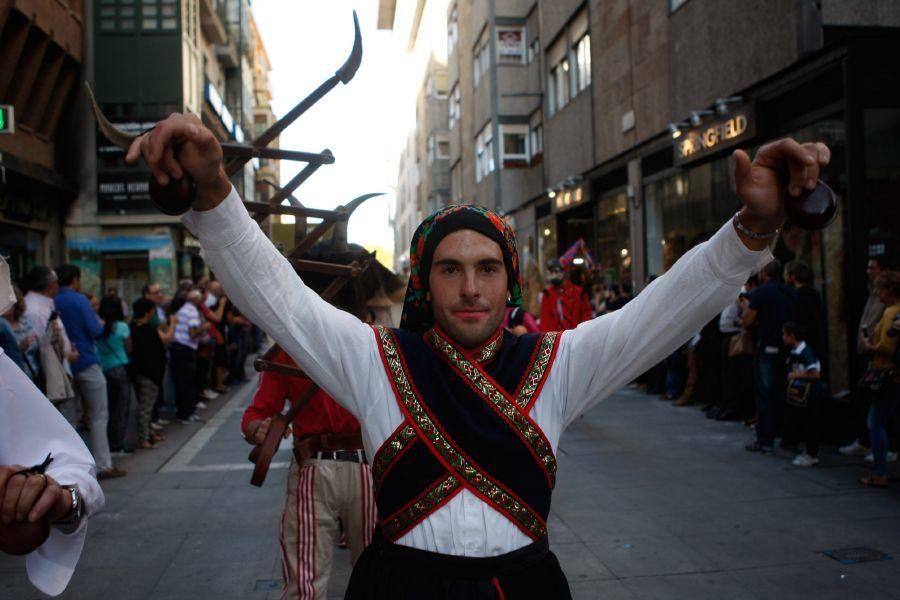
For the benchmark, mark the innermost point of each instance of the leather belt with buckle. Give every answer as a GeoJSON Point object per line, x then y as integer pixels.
{"type": "Point", "coordinates": [357, 456]}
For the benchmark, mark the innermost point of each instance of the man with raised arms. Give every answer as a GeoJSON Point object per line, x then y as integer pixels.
{"type": "Point", "coordinates": [463, 420]}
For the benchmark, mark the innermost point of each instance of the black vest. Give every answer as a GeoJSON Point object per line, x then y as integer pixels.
{"type": "Point", "coordinates": [466, 426]}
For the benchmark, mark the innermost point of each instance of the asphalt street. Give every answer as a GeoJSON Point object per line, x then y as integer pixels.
{"type": "Point", "coordinates": [652, 502]}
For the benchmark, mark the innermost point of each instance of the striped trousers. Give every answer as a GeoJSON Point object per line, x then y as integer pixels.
{"type": "Point", "coordinates": [319, 492]}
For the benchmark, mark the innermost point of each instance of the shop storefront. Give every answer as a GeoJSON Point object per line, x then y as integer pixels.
{"type": "Point", "coordinates": [842, 97]}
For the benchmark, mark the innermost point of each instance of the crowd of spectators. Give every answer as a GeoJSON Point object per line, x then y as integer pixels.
{"type": "Point", "coordinates": [760, 362]}
{"type": "Point", "coordinates": [112, 368]}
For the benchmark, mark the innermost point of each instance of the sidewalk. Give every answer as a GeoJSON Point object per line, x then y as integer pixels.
{"type": "Point", "coordinates": [652, 501]}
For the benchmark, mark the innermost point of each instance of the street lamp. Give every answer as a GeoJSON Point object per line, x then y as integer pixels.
{"type": "Point", "coordinates": [697, 116]}
{"type": "Point", "coordinates": [675, 128]}
{"type": "Point", "coordinates": [722, 104]}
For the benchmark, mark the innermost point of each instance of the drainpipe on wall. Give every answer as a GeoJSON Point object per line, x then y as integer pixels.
{"type": "Point", "coordinates": [495, 105]}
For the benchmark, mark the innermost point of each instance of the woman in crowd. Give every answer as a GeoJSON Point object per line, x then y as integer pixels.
{"type": "Point", "coordinates": [113, 348]}
{"type": "Point", "coordinates": [25, 335]}
{"type": "Point", "coordinates": [882, 380]}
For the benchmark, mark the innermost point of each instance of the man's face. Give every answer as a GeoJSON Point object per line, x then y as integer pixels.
{"type": "Point", "coordinates": [873, 270]}
{"type": "Point", "coordinates": [154, 294]}
{"type": "Point", "coordinates": [53, 288]}
{"type": "Point", "coordinates": [555, 275]}
{"type": "Point", "coordinates": [468, 287]}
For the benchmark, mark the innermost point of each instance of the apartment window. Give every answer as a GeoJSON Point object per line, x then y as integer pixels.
{"type": "Point", "coordinates": [511, 49]}
{"type": "Point", "coordinates": [481, 61]}
{"type": "Point", "coordinates": [536, 142]}
{"type": "Point", "coordinates": [119, 15]}
{"type": "Point", "coordinates": [436, 88]}
{"type": "Point", "coordinates": [438, 147]}
{"type": "Point", "coordinates": [442, 146]}
{"type": "Point", "coordinates": [484, 153]}
{"type": "Point", "coordinates": [453, 107]}
{"type": "Point", "coordinates": [559, 86]}
{"type": "Point", "coordinates": [452, 32]}
{"type": "Point", "coordinates": [583, 61]}
{"type": "Point", "coordinates": [515, 145]}
{"type": "Point", "coordinates": [534, 50]}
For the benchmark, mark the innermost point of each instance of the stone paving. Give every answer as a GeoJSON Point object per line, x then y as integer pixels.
{"type": "Point", "coordinates": [652, 502]}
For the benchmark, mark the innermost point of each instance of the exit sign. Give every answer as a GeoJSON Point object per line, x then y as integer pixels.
{"type": "Point", "coordinates": [7, 119]}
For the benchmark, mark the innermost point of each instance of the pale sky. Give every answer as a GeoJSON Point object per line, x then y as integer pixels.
{"type": "Point", "coordinates": [364, 123]}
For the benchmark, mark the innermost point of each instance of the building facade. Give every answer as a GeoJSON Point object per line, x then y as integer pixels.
{"type": "Point", "coordinates": [147, 60]}
{"type": "Point", "coordinates": [613, 124]}
{"type": "Point", "coordinates": [41, 61]}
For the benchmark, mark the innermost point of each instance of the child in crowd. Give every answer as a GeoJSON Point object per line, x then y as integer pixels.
{"type": "Point", "coordinates": [149, 359]}
{"type": "Point", "coordinates": [803, 393]}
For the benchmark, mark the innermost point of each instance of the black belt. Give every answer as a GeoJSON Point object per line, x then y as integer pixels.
{"type": "Point", "coordinates": [357, 456]}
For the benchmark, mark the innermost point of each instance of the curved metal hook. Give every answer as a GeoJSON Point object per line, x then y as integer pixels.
{"type": "Point", "coordinates": [349, 68]}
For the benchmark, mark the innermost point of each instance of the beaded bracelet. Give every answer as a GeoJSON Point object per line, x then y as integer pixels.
{"type": "Point", "coordinates": [753, 235]}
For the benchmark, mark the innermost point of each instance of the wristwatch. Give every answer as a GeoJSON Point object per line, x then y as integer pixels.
{"type": "Point", "coordinates": [72, 520]}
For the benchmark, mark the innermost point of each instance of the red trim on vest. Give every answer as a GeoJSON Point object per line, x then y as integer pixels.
{"type": "Point", "coordinates": [425, 515]}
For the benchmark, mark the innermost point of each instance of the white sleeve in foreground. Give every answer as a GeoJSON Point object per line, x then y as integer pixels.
{"type": "Point", "coordinates": [333, 347]}
{"type": "Point", "coordinates": [602, 355]}
{"type": "Point", "coordinates": [30, 429]}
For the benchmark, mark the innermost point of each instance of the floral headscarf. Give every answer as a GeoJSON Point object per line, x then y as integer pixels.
{"type": "Point", "coordinates": [417, 315]}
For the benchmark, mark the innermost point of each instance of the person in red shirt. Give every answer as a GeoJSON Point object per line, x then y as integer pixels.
{"type": "Point", "coordinates": [563, 304]}
{"type": "Point", "coordinates": [330, 480]}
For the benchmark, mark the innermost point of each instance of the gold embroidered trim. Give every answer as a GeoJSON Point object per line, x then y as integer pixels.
{"type": "Point", "coordinates": [516, 416]}
{"type": "Point", "coordinates": [394, 526]}
{"type": "Point", "coordinates": [389, 451]}
{"type": "Point", "coordinates": [536, 373]}
{"type": "Point", "coordinates": [489, 350]}
{"type": "Point", "coordinates": [522, 515]}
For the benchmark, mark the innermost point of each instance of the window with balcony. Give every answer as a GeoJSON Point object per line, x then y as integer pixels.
{"type": "Point", "coordinates": [437, 87]}
{"type": "Point", "coordinates": [438, 147]}
{"type": "Point", "coordinates": [515, 146]}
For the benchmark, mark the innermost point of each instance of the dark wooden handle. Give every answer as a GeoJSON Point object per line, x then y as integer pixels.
{"type": "Point", "coordinates": [262, 454]}
{"type": "Point", "coordinates": [175, 198]}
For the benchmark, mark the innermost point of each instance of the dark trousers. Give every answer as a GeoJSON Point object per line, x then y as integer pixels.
{"type": "Point", "coordinates": [389, 571]}
{"type": "Point", "coordinates": [184, 374]}
{"type": "Point", "coordinates": [238, 339]}
{"type": "Point", "coordinates": [118, 390]}
{"type": "Point", "coordinates": [884, 404]}
{"type": "Point", "coordinates": [802, 423]}
{"type": "Point", "coordinates": [766, 368]}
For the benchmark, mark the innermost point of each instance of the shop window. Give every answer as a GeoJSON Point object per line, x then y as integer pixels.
{"type": "Point", "coordinates": [511, 49]}
{"type": "Point", "coordinates": [613, 236]}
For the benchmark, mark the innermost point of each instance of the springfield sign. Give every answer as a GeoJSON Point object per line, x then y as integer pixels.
{"type": "Point", "coordinates": [712, 137]}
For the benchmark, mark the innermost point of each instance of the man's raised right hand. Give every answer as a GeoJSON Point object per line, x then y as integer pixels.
{"type": "Point", "coordinates": [180, 145]}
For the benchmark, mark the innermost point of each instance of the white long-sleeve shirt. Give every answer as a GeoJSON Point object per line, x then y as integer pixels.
{"type": "Point", "coordinates": [340, 353]}
{"type": "Point", "coordinates": [30, 427]}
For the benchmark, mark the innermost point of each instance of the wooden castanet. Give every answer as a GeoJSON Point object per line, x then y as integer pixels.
{"type": "Point", "coordinates": [813, 209]}
{"type": "Point", "coordinates": [175, 198]}
{"type": "Point", "coordinates": [20, 538]}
